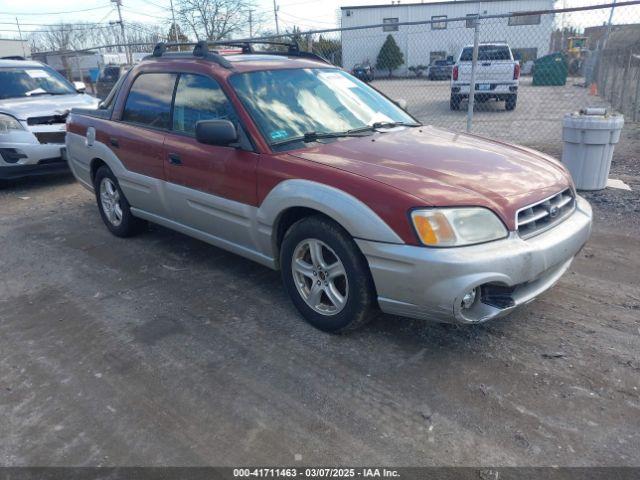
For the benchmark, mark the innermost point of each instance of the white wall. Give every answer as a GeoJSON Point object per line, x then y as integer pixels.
{"type": "Point", "coordinates": [417, 41]}
{"type": "Point", "coordinates": [12, 48]}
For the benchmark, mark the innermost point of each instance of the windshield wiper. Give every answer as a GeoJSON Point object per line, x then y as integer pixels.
{"type": "Point", "coordinates": [315, 136]}
{"type": "Point", "coordinates": [34, 94]}
{"type": "Point", "coordinates": [377, 125]}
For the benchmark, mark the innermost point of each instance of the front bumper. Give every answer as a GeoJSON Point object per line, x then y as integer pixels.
{"type": "Point", "coordinates": [22, 155]}
{"type": "Point", "coordinates": [429, 283]}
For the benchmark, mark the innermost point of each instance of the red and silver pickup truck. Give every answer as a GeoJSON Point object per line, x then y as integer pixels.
{"type": "Point", "coordinates": [289, 161]}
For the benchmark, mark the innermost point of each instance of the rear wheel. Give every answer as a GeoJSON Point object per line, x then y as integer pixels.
{"type": "Point", "coordinates": [454, 103]}
{"type": "Point", "coordinates": [510, 102]}
{"type": "Point", "coordinates": [326, 275]}
{"type": "Point", "coordinates": [113, 206]}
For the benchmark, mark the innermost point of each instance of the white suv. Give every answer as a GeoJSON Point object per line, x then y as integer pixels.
{"type": "Point", "coordinates": [497, 75]}
{"type": "Point", "coordinates": [34, 103]}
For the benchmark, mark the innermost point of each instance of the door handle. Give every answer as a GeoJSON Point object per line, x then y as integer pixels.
{"type": "Point", "coordinates": [174, 159]}
{"type": "Point", "coordinates": [114, 142]}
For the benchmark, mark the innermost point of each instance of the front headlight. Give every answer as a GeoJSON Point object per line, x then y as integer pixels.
{"type": "Point", "coordinates": [7, 123]}
{"type": "Point", "coordinates": [455, 227]}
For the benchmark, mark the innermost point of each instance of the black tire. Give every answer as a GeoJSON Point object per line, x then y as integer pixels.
{"type": "Point", "coordinates": [128, 224]}
{"type": "Point", "coordinates": [454, 103]}
{"type": "Point", "coordinates": [510, 102]}
{"type": "Point", "coordinates": [360, 294]}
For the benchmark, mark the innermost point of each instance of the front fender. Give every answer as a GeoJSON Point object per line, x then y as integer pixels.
{"type": "Point", "coordinates": [352, 214]}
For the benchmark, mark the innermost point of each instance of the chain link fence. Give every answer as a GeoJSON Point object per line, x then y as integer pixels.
{"type": "Point", "coordinates": [509, 76]}
{"type": "Point", "coordinates": [457, 73]}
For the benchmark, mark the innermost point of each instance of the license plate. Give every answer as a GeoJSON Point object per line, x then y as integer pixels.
{"type": "Point", "coordinates": [483, 86]}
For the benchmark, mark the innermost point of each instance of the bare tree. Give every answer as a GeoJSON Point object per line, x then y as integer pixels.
{"type": "Point", "coordinates": [80, 36]}
{"type": "Point", "coordinates": [215, 19]}
{"type": "Point", "coordinates": [61, 37]}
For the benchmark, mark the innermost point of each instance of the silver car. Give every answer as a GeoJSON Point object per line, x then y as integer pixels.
{"type": "Point", "coordinates": [34, 103]}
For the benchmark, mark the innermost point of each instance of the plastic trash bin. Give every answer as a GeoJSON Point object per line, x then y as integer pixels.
{"type": "Point", "coordinates": [589, 140]}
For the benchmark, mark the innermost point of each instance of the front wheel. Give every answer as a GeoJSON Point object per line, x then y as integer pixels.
{"type": "Point", "coordinates": [326, 275]}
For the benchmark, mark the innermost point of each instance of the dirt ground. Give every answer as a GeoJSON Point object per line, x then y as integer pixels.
{"type": "Point", "coordinates": [162, 350]}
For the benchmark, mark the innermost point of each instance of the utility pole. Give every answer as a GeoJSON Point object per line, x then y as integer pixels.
{"type": "Point", "coordinates": [175, 25]}
{"type": "Point", "coordinates": [250, 23]}
{"type": "Point", "coordinates": [608, 31]}
{"type": "Point", "coordinates": [275, 14]}
{"type": "Point", "coordinates": [124, 40]}
{"type": "Point", "coordinates": [24, 53]}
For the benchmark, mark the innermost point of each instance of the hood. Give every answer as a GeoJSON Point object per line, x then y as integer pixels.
{"type": "Point", "coordinates": [43, 105]}
{"type": "Point", "coordinates": [443, 168]}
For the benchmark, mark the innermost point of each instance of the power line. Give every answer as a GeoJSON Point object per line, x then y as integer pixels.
{"type": "Point", "coordinates": [55, 13]}
{"type": "Point", "coordinates": [87, 24]}
{"type": "Point", "coordinates": [306, 19]}
{"type": "Point", "coordinates": [162, 7]}
{"type": "Point", "coordinates": [66, 30]}
{"type": "Point", "coordinates": [145, 14]}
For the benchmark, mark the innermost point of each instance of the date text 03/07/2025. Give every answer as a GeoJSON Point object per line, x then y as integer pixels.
{"type": "Point", "coordinates": [315, 472]}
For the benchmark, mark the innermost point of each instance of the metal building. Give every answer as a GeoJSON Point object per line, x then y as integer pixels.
{"type": "Point", "coordinates": [529, 36]}
{"type": "Point", "coordinates": [14, 48]}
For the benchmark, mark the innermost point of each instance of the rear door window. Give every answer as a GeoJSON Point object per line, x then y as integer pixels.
{"type": "Point", "coordinates": [149, 100]}
{"type": "Point", "coordinates": [199, 98]}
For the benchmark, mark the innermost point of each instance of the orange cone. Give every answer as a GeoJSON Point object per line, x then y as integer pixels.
{"type": "Point", "coordinates": [594, 89]}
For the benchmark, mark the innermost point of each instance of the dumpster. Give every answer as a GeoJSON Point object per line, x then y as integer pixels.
{"type": "Point", "coordinates": [589, 139]}
{"type": "Point", "coordinates": [550, 70]}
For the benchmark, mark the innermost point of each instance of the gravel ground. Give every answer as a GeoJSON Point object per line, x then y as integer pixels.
{"type": "Point", "coordinates": [536, 121]}
{"type": "Point", "coordinates": [162, 350]}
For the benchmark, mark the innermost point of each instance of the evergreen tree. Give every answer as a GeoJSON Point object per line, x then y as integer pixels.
{"type": "Point", "coordinates": [390, 56]}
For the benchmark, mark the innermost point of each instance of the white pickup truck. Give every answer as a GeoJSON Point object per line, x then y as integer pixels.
{"type": "Point", "coordinates": [497, 75]}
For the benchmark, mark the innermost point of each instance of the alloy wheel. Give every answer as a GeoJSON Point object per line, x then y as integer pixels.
{"type": "Point", "coordinates": [320, 277]}
{"type": "Point", "coordinates": [110, 201]}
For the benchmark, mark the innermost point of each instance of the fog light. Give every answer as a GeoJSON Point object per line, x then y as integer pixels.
{"type": "Point", "coordinates": [469, 298]}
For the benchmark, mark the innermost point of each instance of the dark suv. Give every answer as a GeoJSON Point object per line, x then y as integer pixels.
{"type": "Point", "coordinates": [108, 77]}
{"type": "Point", "coordinates": [440, 70]}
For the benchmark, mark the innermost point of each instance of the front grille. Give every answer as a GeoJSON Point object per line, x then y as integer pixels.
{"type": "Point", "coordinates": [543, 215]}
{"type": "Point", "coordinates": [50, 137]}
{"type": "Point", "coordinates": [47, 120]}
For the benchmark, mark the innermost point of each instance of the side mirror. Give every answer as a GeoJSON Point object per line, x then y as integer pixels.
{"type": "Point", "coordinates": [401, 102]}
{"type": "Point", "coordinates": [80, 87]}
{"type": "Point", "coordinates": [222, 133]}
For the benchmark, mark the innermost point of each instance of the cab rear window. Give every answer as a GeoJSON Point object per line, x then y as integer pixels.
{"type": "Point", "coordinates": [486, 52]}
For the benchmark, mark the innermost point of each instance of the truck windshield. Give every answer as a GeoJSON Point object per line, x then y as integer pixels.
{"type": "Point", "coordinates": [486, 52]}
{"type": "Point", "coordinates": [287, 104]}
{"type": "Point", "coordinates": [32, 81]}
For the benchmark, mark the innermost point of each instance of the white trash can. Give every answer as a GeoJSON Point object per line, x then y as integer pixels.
{"type": "Point", "coordinates": [589, 139]}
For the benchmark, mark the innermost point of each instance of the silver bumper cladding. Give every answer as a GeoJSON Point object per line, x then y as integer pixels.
{"type": "Point", "coordinates": [429, 283]}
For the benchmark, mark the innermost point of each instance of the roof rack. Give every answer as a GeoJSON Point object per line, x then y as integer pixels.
{"type": "Point", "coordinates": [201, 49]}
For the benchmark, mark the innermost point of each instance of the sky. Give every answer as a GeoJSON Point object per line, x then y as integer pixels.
{"type": "Point", "coordinates": [306, 14]}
